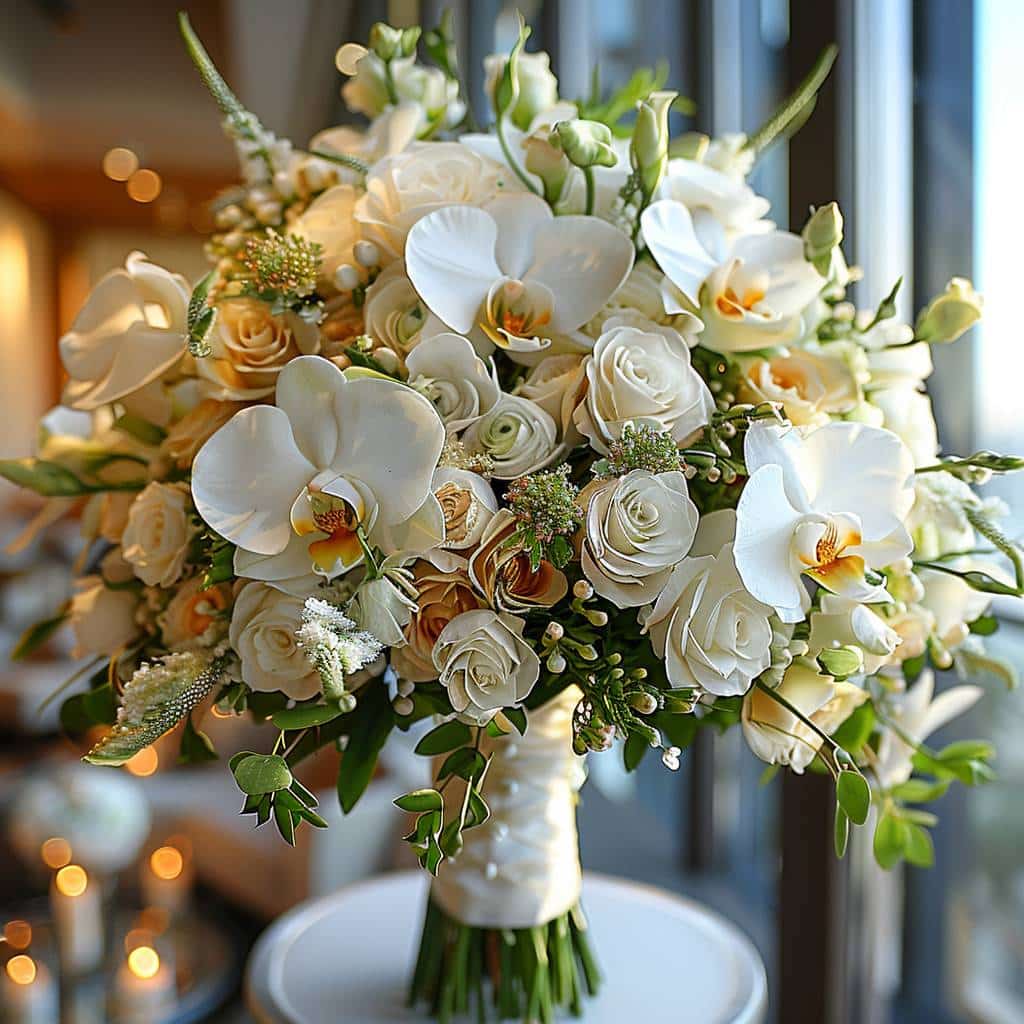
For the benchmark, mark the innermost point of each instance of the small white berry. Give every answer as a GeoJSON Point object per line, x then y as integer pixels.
{"type": "Point", "coordinates": [366, 253]}
{"type": "Point", "coordinates": [346, 277]}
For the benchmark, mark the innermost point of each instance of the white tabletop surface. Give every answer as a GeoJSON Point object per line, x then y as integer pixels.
{"type": "Point", "coordinates": [347, 958]}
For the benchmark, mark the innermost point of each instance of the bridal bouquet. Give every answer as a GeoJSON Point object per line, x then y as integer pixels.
{"type": "Point", "coordinates": [545, 434]}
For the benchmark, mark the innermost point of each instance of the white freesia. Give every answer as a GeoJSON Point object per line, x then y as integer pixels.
{"type": "Point", "coordinates": [425, 177]}
{"type": "Point", "coordinates": [447, 370]}
{"type": "Point", "coordinates": [642, 371]}
{"type": "Point", "coordinates": [829, 505]}
{"type": "Point", "coordinates": [264, 626]}
{"type": "Point", "coordinates": [636, 529]}
{"type": "Point", "coordinates": [908, 414]}
{"type": "Point", "coordinates": [778, 736]}
{"type": "Point", "coordinates": [158, 533]}
{"type": "Point", "coordinates": [841, 622]}
{"type": "Point", "coordinates": [753, 297]}
{"type": "Point", "coordinates": [129, 333]}
{"type": "Point", "coordinates": [918, 713]}
{"type": "Point", "coordinates": [388, 133]}
{"type": "Point", "coordinates": [711, 633]}
{"type": "Point", "coordinates": [518, 436]}
{"type": "Point", "coordinates": [730, 154]}
{"type": "Point", "coordinates": [291, 484]}
{"type": "Point", "coordinates": [484, 663]}
{"type": "Point", "coordinates": [515, 269]}
{"type": "Point", "coordinates": [953, 604]}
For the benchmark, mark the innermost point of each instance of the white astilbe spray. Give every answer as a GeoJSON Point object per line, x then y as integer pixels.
{"type": "Point", "coordinates": [335, 646]}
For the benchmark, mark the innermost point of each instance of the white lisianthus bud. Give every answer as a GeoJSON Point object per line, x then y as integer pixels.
{"type": "Point", "coordinates": [948, 315]}
{"type": "Point", "coordinates": [545, 159]}
{"type": "Point", "coordinates": [648, 151]}
{"type": "Point", "coordinates": [822, 233]}
{"type": "Point", "coordinates": [535, 88]}
{"type": "Point", "coordinates": [585, 143]}
{"type": "Point", "coordinates": [388, 42]}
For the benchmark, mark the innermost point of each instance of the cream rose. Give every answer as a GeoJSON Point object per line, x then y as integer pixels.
{"type": "Point", "coordinates": [643, 294]}
{"type": "Point", "coordinates": [636, 530]}
{"type": "Point", "coordinates": [712, 634]}
{"type": "Point", "coordinates": [642, 373]}
{"type": "Point", "coordinates": [189, 434]}
{"type": "Point", "coordinates": [425, 177]}
{"type": "Point", "coordinates": [485, 664]}
{"type": "Point", "coordinates": [557, 384]}
{"type": "Point", "coordinates": [442, 596]}
{"type": "Point", "coordinates": [103, 620]}
{"type": "Point", "coordinates": [328, 222]}
{"type": "Point", "coordinates": [777, 736]}
{"type": "Point", "coordinates": [250, 347]}
{"type": "Point", "coordinates": [264, 622]}
{"type": "Point", "coordinates": [447, 370]}
{"type": "Point", "coordinates": [158, 533]}
{"type": "Point", "coordinates": [518, 435]}
{"type": "Point", "coordinates": [382, 606]}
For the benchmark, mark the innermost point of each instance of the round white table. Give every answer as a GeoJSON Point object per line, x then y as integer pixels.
{"type": "Point", "coordinates": [347, 958]}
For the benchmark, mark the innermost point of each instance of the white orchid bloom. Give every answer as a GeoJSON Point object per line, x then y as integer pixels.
{"type": "Point", "coordinates": [918, 716]}
{"type": "Point", "coordinates": [829, 505]}
{"type": "Point", "coordinates": [750, 296]}
{"type": "Point", "coordinates": [129, 333]}
{"type": "Point", "coordinates": [290, 484]}
{"type": "Point", "coordinates": [513, 269]}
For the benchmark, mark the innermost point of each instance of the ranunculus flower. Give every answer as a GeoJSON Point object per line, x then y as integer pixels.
{"type": "Point", "coordinates": [712, 634]}
{"type": "Point", "coordinates": [777, 736]}
{"type": "Point", "coordinates": [447, 370]}
{"type": "Point", "coordinates": [636, 529]}
{"type": "Point", "coordinates": [159, 531]}
{"type": "Point", "coordinates": [751, 298]}
{"type": "Point", "coordinates": [513, 268]}
{"type": "Point", "coordinates": [500, 569]}
{"type": "Point", "coordinates": [442, 596]}
{"type": "Point", "coordinates": [192, 617]}
{"type": "Point", "coordinates": [289, 484]}
{"type": "Point", "coordinates": [425, 177]}
{"type": "Point", "coordinates": [264, 622]}
{"type": "Point", "coordinates": [535, 84]}
{"type": "Point", "coordinates": [485, 664]}
{"type": "Point", "coordinates": [103, 620]}
{"type": "Point", "coordinates": [129, 333]}
{"type": "Point", "coordinates": [829, 505]}
{"type": "Point", "coordinates": [250, 346]}
{"type": "Point", "coordinates": [518, 435]}
{"type": "Point", "coordinates": [396, 317]}
{"type": "Point", "coordinates": [642, 372]}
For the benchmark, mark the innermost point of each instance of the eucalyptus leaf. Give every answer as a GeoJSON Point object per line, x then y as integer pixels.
{"type": "Point", "coordinates": [262, 773]}
{"type": "Point", "coordinates": [36, 635]}
{"type": "Point", "coordinates": [891, 838]}
{"type": "Point", "coordinates": [517, 716]}
{"type": "Point", "coordinates": [306, 716]}
{"type": "Point", "coordinates": [919, 849]}
{"type": "Point", "coordinates": [841, 832]}
{"type": "Point", "coordinates": [854, 796]}
{"type": "Point", "coordinates": [371, 723]}
{"type": "Point", "coordinates": [196, 747]}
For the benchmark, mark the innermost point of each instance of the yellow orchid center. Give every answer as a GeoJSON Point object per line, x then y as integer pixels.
{"type": "Point", "coordinates": [826, 552]}
{"type": "Point", "coordinates": [334, 520]}
{"type": "Point", "coordinates": [516, 309]}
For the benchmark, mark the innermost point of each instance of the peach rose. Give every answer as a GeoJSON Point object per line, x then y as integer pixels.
{"type": "Point", "coordinates": [191, 618]}
{"type": "Point", "coordinates": [195, 428]}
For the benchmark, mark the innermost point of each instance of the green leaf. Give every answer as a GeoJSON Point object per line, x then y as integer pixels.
{"type": "Point", "coordinates": [81, 712]}
{"type": "Point", "coordinates": [372, 722]}
{"type": "Point", "coordinates": [50, 479]}
{"type": "Point", "coordinates": [891, 838]}
{"type": "Point", "coordinates": [854, 796]}
{"type": "Point", "coordinates": [841, 832]}
{"type": "Point", "coordinates": [517, 716]}
{"type": "Point", "coordinates": [920, 791]}
{"type": "Point", "coordinates": [306, 716]}
{"type": "Point", "coordinates": [477, 811]}
{"type": "Point", "coordinates": [447, 736]}
{"type": "Point", "coordinates": [966, 750]}
{"type": "Point", "coordinates": [262, 773]}
{"type": "Point", "coordinates": [633, 751]}
{"type": "Point", "coordinates": [451, 841]}
{"type": "Point", "coordinates": [972, 662]}
{"type": "Point", "coordinates": [984, 625]}
{"type": "Point", "coordinates": [494, 729]}
{"type": "Point", "coordinates": [285, 822]}
{"type": "Point", "coordinates": [919, 849]}
{"type": "Point", "coordinates": [420, 800]}
{"type": "Point", "coordinates": [768, 775]}
{"type": "Point", "coordinates": [142, 430]}
{"type": "Point", "coordinates": [36, 635]}
{"type": "Point", "coordinates": [856, 730]}
{"type": "Point", "coordinates": [465, 762]}
{"type": "Point", "coordinates": [680, 729]}
{"type": "Point", "coordinates": [975, 579]}
{"type": "Point", "coordinates": [196, 746]}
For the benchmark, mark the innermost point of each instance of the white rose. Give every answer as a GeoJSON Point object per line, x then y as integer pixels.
{"type": "Point", "coordinates": [425, 177]}
{"type": "Point", "coordinates": [519, 436]}
{"type": "Point", "coordinates": [264, 622]}
{"type": "Point", "coordinates": [329, 222]}
{"type": "Point", "coordinates": [158, 534]}
{"type": "Point", "coordinates": [711, 633]}
{"type": "Point", "coordinates": [250, 347]}
{"type": "Point", "coordinates": [383, 608]}
{"type": "Point", "coordinates": [643, 294]}
{"type": "Point", "coordinates": [557, 384]}
{"type": "Point", "coordinates": [467, 503]}
{"type": "Point", "coordinates": [636, 530]}
{"type": "Point", "coordinates": [777, 736]}
{"type": "Point", "coordinates": [103, 620]}
{"type": "Point", "coordinates": [129, 333]}
{"type": "Point", "coordinates": [639, 373]}
{"type": "Point", "coordinates": [908, 414]}
{"type": "Point", "coordinates": [447, 370]}
{"type": "Point", "coordinates": [484, 663]}
{"type": "Point", "coordinates": [538, 87]}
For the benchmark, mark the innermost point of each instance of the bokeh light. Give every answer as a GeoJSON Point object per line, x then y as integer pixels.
{"type": "Point", "coordinates": [119, 163]}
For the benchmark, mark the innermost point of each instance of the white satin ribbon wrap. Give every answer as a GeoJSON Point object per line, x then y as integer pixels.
{"type": "Point", "coordinates": [522, 866]}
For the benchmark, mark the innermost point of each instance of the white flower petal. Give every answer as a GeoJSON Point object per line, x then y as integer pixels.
{"type": "Point", "coordinates": [670, 235]}
{"type": "Point", "coordinates": [306, 391]}
{"type": "Point", "coordinates": [519, 216]}
{"type": "Point", "coordinates": [945, 707]}
{"type": "Point", "coordinates": [793, 282]}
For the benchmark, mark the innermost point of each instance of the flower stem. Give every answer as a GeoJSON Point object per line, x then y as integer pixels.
{"type": "Point", "coordinates": [512, 162]}
{"type": "Point", "coordinates": [588, 177]}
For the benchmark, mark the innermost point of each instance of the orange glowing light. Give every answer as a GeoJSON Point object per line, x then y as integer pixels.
{"type": "Point", "coordinates": [144, 185]}
{"type": "Point", "coordinates": [167, 862]}
{"type": "Point", "coordinates": [21, 969]}
{"type": "Point", "coordinates": [119, 164]}
{"type": "Point", "coordinates": [143, 962]}
{"type": "Point", "coordinates": [137, 937]}
{"type": "Point", "coordinates": [18, 934]}
{"type": "Point", "coordinates": [144, 763]}
{"type": "Point", "coordinates": [72, 880]}
{"type": "Point", "coordinates": [56, 853]}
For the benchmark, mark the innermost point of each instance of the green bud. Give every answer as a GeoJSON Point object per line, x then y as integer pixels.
{"type": "Point", "coordinates": [948, 315]}
{"type": "Point", "coordinates": [648, 151]}
{"type": "Point", "coordinates": [548, 162]}
{"type": "Point", "coordinates": [821, 235]}
{"type": "Point", "coordinates": [389, 43]}
{"type": "Point", "coordinates": [841, 662]}
{"type": "Point", "coordinates": [506, 89]}
{"type": "Point", "coordinates": [585, 143]}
